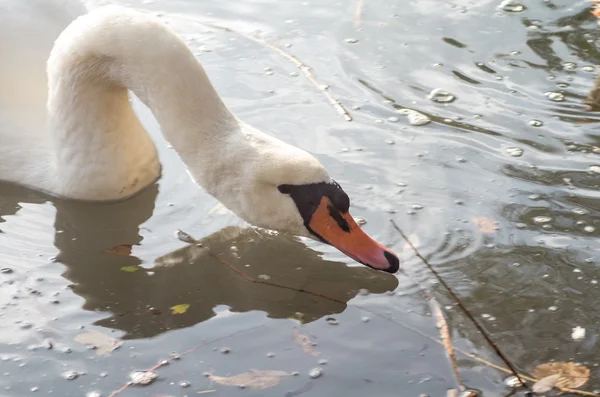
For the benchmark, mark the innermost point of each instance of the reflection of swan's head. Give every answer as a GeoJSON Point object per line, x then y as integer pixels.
{"type": "Point", "coordinates": [289, 190]}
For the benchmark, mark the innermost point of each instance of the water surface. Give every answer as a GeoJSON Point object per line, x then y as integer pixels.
{"type": "Point", "coordinates": [529, 283]}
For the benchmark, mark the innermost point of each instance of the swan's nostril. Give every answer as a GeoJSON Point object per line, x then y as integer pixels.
{"type": "Point", "coordinates": [393, 261]}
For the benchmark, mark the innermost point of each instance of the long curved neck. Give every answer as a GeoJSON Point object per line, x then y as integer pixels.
{"type": "Point", "coordinates": [93, 64]}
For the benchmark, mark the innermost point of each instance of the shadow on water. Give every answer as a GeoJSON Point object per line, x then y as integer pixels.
{"type": "Point", "coordinates": [139, 300]}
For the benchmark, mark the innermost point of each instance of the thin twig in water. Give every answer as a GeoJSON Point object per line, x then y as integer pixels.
{"type": "Point", "coordinates": [440, 322]}
{"type": "Point", "coordinates": [442, 325]}
{"type": "Point", "coordinates": [471, 355]}
{"type": "Point", "coordinates": [460, 304]}
{"type": "Point", "coordinates": [397, 322]}
{"type": "Point", "coordinates": [299, 64]}
{"type": "Point", "coordinates": [176, 357]}
{"type": "Point", "coordinates": [206, 391]}
{"type": "Point", "coordinates": [265, 282]}
{"type": "Point", "coordinates": [358, 13]}
{"type": "Point", "coordinates": [188, 239]}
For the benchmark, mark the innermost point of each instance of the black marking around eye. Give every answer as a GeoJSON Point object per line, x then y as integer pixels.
{"type": "Point", "coordinates": [308, 197]}
{"type": "Point", "coordinates": [342, 223]}
{"type": "Point", "coordinates": [339, 198]}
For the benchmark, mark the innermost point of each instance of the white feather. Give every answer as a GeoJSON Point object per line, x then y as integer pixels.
{"type": "Point", "coordinates": [67, 126]}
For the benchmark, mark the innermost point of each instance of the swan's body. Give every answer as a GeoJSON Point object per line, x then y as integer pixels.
{"type": "Point", "coordinates": [67, 126]}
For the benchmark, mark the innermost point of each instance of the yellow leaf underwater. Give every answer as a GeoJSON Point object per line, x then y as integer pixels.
{"type": "Point", "coordinates": [180, 309]}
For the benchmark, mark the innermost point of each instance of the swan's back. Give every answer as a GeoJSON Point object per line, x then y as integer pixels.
{"type": "Point", "coordinates": [28, 29]}
{"type": "Point", "coordinates": [27, 33]}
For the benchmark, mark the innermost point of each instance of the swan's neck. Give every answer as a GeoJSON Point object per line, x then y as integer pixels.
{"type": "Point", "coordinates": [98, 140]}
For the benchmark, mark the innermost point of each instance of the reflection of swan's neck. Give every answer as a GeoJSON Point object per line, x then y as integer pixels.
{"type": "Point", "coordinates": [93, 64]}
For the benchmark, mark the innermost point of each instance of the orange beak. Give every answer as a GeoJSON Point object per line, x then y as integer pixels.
{"type": "Point", "coordinates": [340, 230]}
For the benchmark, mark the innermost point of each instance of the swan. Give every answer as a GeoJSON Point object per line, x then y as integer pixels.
{"type": "Point", "coordinates": [67, 127]}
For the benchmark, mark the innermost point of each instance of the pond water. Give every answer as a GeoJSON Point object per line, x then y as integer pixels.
{"type": "Point", "coordinates": [516, 150]}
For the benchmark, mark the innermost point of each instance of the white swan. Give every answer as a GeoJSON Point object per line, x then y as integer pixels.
{"type": "Point", "coordinates": [67, 126]}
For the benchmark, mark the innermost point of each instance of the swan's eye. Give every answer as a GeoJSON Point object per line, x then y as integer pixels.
{"type": "Point", "coordinates": [339, 198]}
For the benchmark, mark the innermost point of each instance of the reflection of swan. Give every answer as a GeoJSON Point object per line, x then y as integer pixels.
{"type": "Point", "coordinates": [194, 276]}
{"type": "Point", "coordinates": [86, 143]}
{"type": "Point", "coordinates": [186, 275]}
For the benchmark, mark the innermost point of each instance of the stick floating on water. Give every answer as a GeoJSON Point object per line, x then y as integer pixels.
{"type": "Point", "coordinates": [462, 307]}
{"type": "Point", "coordinates": [358, 13]}
{"type": "Point", "coordinates": [307, 70]}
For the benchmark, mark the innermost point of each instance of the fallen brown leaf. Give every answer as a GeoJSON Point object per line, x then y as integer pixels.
{"type": "Point", "coordinates": [304, 342]}
{"type": "Point", "coordinates": [545, 384]}
{"type": "Point", "coordinates": [103, 344]}
{"type": "Point", "coordinates": [572, 375]}
{"type": "Point", "coordinates": [253, 379]}
{"type": "Point", "coordinates": [486, 225]}
{"type": "Point", "coordinates": [123, 250]}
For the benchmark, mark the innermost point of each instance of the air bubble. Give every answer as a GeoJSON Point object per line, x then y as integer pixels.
{"type": "Point", "coordinates": [555, 96]}
{"type": "Point", "coordinates": [511, 6]}
{"type": "Point", "coordinates": [514, 151]}
{"type": "Point", "coordinates": [440, 96]}
{"type": "Point", "coordinates": [536, 123]}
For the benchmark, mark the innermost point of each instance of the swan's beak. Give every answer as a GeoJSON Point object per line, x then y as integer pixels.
{"type": "Point", "coordinates": [340, 230]}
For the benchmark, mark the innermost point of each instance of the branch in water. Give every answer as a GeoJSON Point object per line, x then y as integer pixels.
{"type": "Point", "coordinates": [187, 238]}
{"type": "Point", "coordinates": [307, 70]}
{"type": "Point", "coordinates": [474, 356]}
{"type": "Point", "coordinates": [440, 322]}
{"type": "Point", "coordinates": [178, 356]}
{"type": "Point", "coordinates": [358, 13]}
{"type": "Point", "coordinates": [253, 280]}
{"type": "Point", "coordinates": [462, 306]}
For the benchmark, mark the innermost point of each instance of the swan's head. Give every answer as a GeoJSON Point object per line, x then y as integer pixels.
{"type": "Point", "coordinates": [290, 191]}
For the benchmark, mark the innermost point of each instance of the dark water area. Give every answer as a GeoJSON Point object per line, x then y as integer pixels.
{"type": "Point", "coordinates": [517, 148]}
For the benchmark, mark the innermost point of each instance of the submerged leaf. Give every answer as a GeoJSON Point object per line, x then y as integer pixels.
{"type": "Point", "coordinates": [570, 374]}
{"type": "Point", "coordinates": [545, 384]}
{"type": "Point", "coordinates": [103, 344]}
{"type": "Point", "coordinates": [254, 379]}
{"type": "Point", "coordinates": [304, 342]}
{"type": "Point", "coordinates": [130, 269]}
{"type": "Point", "coordinates": [486, 225]}
{"type": "Point", "coordinates": [180, 309]}
{"type": "Point", "coordinates": [123, 250]}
